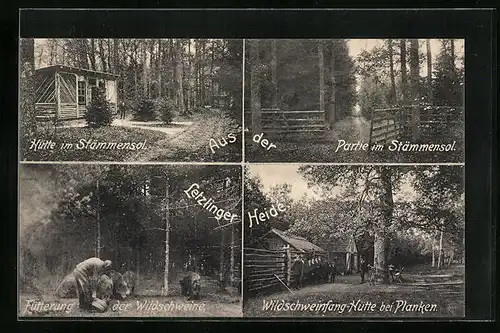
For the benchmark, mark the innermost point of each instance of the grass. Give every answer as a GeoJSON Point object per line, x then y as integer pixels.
{"type": "Point", "coordinates": [147, 302]}
{"type": "Point", "coordinates": [191, 144]}
{"type": "Point", "coordinates": [322, 148]}
{"type": "Point", "coordinates": [316, 150]}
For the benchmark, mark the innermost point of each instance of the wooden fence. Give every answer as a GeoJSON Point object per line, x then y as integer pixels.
{"type": "Point", "coordinates": [436, 120]}
{"type": "Point", "coordinates": [395, 123]}
{"type": "Point", "coordinates": [276, 122]}
{"type": "Point", "coordinates": [387, 124]}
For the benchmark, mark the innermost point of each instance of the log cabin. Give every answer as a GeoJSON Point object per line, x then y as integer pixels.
{"type": "Point", "coordinates": [64, 93]}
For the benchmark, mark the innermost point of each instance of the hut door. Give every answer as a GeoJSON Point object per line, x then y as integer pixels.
{"type": "Point", "coordinates": [82, 96]}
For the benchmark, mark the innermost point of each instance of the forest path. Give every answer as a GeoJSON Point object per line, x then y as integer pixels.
{"type": "Point", "coordinates": [191, 142]}
{"type": "Point", "coordinates": [351, 128]}
{"type": "Point", "coordinates": [172, 128]}
{"type": "Point", "coordinates": [444, 290]}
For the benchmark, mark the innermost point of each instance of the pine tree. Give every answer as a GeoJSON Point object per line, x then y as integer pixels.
{"type": "Point", "coordinates": [99, 112]}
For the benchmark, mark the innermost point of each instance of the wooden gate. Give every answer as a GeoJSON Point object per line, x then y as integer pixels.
{"type": "Point", "coordinates": [387, 124]}
{"type": "Point", "coordinates": [395, 123]}
{"type": "Point", "coordinates": [276, 122]}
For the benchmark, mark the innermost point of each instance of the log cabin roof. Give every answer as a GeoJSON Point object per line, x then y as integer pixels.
{"type": "Point", "coordinates": [342, 245]}
{"type": "Point", "coordinates": [81, 71]}
{"type": "Point", "coordinates": [299, 243]}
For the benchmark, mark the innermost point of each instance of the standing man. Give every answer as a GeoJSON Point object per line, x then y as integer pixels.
{"type": "Point", "coordinates": [363, 269]}
{"type": "Point", "coordinates": [121, 109]}
{"type": "Point", "coordinates": [86, 275]}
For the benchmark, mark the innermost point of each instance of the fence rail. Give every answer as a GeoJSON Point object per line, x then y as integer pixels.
{"type": "Point", "coordinates": [395, 123]}
{"type": "Point", "coordinates": [296, 122]}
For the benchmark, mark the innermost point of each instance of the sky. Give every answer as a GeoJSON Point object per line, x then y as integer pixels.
{"type": "Point", "coordinates": [356, 46]}
{"type": "Point", "coordinates": [275, 174]}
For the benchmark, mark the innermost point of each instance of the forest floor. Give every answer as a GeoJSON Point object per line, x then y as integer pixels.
{"type": "Point", "coordinates": [422, 288]}
{"type": "Point", "coordinates": [185, 139]}
{"type": "Point", "coordinates": [328, 148]}
{"type": "Point", "coordinates": [145, 302]}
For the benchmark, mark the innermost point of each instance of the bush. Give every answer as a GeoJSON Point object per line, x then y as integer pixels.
{"type": "Point", "coordinates": [99, 112]}
{"type": "Point", "coordinates": [165, 109]}
{"type": "Point", "coordinates": [144, 110]}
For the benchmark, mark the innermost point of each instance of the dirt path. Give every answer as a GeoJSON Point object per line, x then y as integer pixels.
{"type": "Point", "coordinates": [351, 128]}
{"type": "Point", "coordinates": [174, 127]}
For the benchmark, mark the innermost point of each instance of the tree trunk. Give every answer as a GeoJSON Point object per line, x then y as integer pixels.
{"type": "Point", "coordinates": [101, 55]}
{"type": "Point", "coordinates": [221, 259]}
{"type": "Point", "coordinates": [159, 66]}
{"type": "Point", "coordinates": [381, 243]}
{"type": "Point", "coordinates": [194, 75]}
{"type": "Point", "coordinates": [333, 87]}
{"type": "Point", "coordinates": [433, 263]}
{"type": "Point", "coordinates": [27, 90]}
{"type": "Point", "coordinates": [440, 251]}
{"type": "Point", "coordinates": [404, 77]}
{"type": "Point", "coordinates": [429, 70]}
{"type": "Point", "coordinates": [115, 56]}
{"type": "Point", "coordinates": [253, 46]}
{"type": "Point", "coordinates": [391, 73]}
{"type": "Point", "coordinates": [212, 51]}
{"type": "Point", "coordinates": [150, 68]}
{"type": "Point", "coordinates": [202, 73]}
{"type": "Point", "coordinates": [274, 77]}
{"type": "Point", "coordinates": [414, 77]}
{"type": "Point", "coordinates": [167, 241]}
{"type": "Point", "coordinates": [178, 77]}
{"type": "Point", "coordinates": [231, 258]}
{"type": "Point", "coordinates": [144, 70]}
{"type": "Point", "coordinates": [452, 53]}
{"type": "Point", "coordinates": [92, 54]}
{"type": "Point", "coordinates": [321, 68]}
{"type": "Point", "coordinates": [189, 96]}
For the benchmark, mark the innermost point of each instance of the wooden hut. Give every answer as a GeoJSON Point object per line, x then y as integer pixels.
{"type": "Point", "coordinates": [276, 239]}
{"type": "Point", "coordinates": [344, 252]}
{"type": "Point", "coordinates": [64, 92]}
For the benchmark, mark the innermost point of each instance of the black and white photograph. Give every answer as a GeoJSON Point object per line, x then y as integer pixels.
{"type": "Point", "coordinates": [354, 241]}
{"type": "Point", "coordinates": [140, 100]}
{"type": "Point", "coordinates": [130, 241]}
{"type": "Point", "coordinates": [354, 100]}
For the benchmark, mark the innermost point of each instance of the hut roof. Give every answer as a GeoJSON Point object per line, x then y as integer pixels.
{"type": "Point", "coordinates": [342, 245]}
{"type": "Point", "coordinates": [299, 243]}
{"type": "Point", "coordinates": [81, 71]}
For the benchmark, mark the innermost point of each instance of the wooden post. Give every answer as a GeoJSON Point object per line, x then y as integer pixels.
{"type": "Point", "coordinates": [288, 266]}
{"type": "Point", "coordinates": [167, 241]}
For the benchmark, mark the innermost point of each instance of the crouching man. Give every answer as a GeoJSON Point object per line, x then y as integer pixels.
{"type": "Point", "coordinates": [86, 275]}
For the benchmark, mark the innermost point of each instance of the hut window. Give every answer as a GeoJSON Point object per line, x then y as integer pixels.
{"type": "Point", "coordinates": [81, 92]}
{"type": "Point", "coordinates": [92, 82]}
